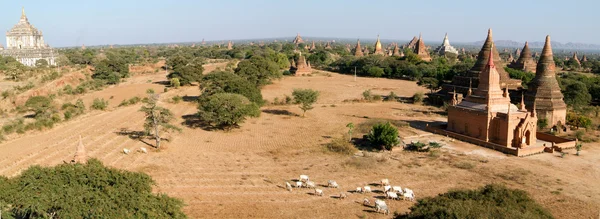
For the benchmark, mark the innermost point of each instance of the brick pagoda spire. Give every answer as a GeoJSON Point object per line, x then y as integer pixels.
{"type": "Point", "coordinates": [378, 48]}
{"type": "Point", "coordinates": [544, 92]}
{"type": "Point", "coordinates": [421, 50]}
{"type": "Point", "coordinates": [525, 61]}
{"type": "Point", "coordinates": [357, 50]}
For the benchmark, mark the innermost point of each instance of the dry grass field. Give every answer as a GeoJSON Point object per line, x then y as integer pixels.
{"type": "Point", "coordinates": [241, 173]}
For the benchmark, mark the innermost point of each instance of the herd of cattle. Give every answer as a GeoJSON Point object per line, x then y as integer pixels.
{"type": "Point", "coordinates": [391, 192]}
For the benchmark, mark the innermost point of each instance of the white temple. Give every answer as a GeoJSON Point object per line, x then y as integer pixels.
{"type": "Point", "coordinates": [26, 44]}
{"type": "Point", "coordinates": [445, 48]}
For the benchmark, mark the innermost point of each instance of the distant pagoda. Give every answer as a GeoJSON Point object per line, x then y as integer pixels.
{"type": "Point", "coordinates": [421, 50]}
{"type": "Point", "coordinates": [396, 51]}
{"type": "Point", "coordinates": [544, 94]}
{"type": "Point", "coordinates": [445, 48]}
{"type": "Point", "coordinates": [313, 47]}
{"type": "Point", "coordinates": [301, 67]}
{"type": "Point", "coordinates": [470, 80]}
{"type": "Point", "coordinates": [298, 39]}
{"type": "Point", "coordinates": [525, 61]}
{"type": "Point", "coordinates": [575, 58]}
{"type": "Point", "coordinates": [357, 50]}
{"type": "Point", "coordinates": [366, 51]}
{"type": "Point", "coordinates": [412, 44]}
{"type": "Point", "coordinates": [583, 59]}
{"type": "Point", "coordinates": [229, 45]}
{"type": "Point", "coordinates": [328, 45]}
{"type": "Point", "coordinates": [378, 48]}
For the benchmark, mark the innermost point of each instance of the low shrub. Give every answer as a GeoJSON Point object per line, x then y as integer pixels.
{"type": "Point", "coordinates": [418, 98]}
{"type": "Point", "coordinates": [177, 99]}
{"type": "Point", "coordinates": [384, 136]}
{"type": "Point", "coordinates": [341, 146]}
{"type": "Point", "coordinates": [131, 101]}
{"type": "Point", "coordinates": [99, 104]}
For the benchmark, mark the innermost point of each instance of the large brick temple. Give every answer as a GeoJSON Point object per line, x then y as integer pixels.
{"type": "Point", "coordinates": [487, 114]}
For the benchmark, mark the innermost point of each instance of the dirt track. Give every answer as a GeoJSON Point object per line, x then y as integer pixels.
{"type": "Point", "coordinates": [240, 173]}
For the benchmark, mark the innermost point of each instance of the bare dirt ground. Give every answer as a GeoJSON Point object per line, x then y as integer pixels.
{"type": "Point", "coordinates": [240, 174]}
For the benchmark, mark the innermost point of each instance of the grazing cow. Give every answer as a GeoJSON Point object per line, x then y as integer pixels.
{"type": "Point", "coordinates": [304, 178]}
{"type": "Point", "coordinates": [144, 150]}
{"type": "Point", "coordinates": [126, 151]}
{"type": "Point", "coordinates": [381, 206]}
{"type": "Point", "coordinates": [298, 184]}
{"type": "Point", "coordinates": [319, 192]}
{"type": "Point", "coordinates": [343, 195]}
{"type": "Point", "coordinates": [392, 195]}
{"type": "Point", "coordinates": [387, 188]}
{"type": "Point", "coordinates": [366, 202]}
{"type": "Point", "coordinates": [397, 189]}
{"type": "Point", "coordinates": [332, 184]}
{"type": "Point", "coordinates": [310, 184]}
{"type": "Point", "coordinates": [385, 182]}
{"type": "Point", "coordinates": [409, 196]}
{"type": "Point", "coordinates": [367, 189]}
{"type": "Point", "coordinates": [359, 190]}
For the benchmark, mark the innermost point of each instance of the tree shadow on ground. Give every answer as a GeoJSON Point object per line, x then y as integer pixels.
{"type": "Point", "coordinates": [136, 135]}
{"type": "Point", "coordinates": [190, 99]}
{"type": "Point", "coordinates": [165, 83]}
{"type": "Point", "coordinates": [279, 112]}
{"type": "Point", "coordinates": [422, 125]}
{"type": "Point", "coordinates": [193, 121]}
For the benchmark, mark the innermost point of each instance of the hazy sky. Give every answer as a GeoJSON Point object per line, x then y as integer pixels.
{"type": "Point", "coordinates": [94, 22]}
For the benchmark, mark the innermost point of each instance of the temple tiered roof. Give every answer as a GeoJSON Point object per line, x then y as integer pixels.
{"type": "Point", "coordinates": [396, 51]}
{"type": "Point", "coordinates": [412, 44]}
{"type": "Point", "coordinates": [357, 50]}
{"type": "Point", "coordinates": [445, 47]}
{"type": "Point", "coordinates": [298, 39]}
{"type": "Point", "coordinates": [576, 58]}
{"type": "Point", "coordinates": [525, 61]}
{"type": "Point", "coordinates": [421, 50]}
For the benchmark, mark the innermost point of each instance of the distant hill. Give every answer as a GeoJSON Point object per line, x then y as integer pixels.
{"type": "Point", "coordinates": [555, 45]}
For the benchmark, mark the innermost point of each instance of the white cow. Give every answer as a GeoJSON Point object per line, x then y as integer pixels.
{"type": "Point", "coordinates": [381, 206]}
{"type": "Point", "coordinates": [299, 184]}
{"type": "Point", "coordinates": [318, 192]}
{"type": "Point", "coordinates": [343, 195]}
{"type": "Point", "coordinates": [366, 202]}
{"type": "Point", "coordinates": [408, 196]}
{"type": "Point", "coordinates": [304, 178]}
{"type": "Point", "coordinates": [397, 189]}
{"type": "Point", "coordinates": [367, 189]}
{"type": "Point", "coordinates": [310, 184]}
{"type": "Point", "coordinates": [359, 190]}
{"type": "Point", "coordinates": [385, 182]}
{"type": "Point", "coordinates": [392, 195]}
{"type": "Point", "coordinates": [332, 184]}
{"type": "Point", "coordinates": [126, 151]}
{"type": "Point", "coordinates": [144, 150]}
{"type": "Point", "coordinates": [387, 188]}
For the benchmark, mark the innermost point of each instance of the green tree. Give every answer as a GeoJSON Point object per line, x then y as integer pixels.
{"type": "Point", "coordinates": [577, 95]}
{"type": "Point", "coordinates": [102, 192]}
{"type": "Point", "coordinates": [40, 105]}
{"type": "Point", "coordinates": [578, 147]}
{"type": "Point", "coordinates": [384, 135]}
{"type": "Point", "coordinates": [375, 71]}
{"type": "Point", "coordinates": [157, 118]}
{"type": "Point", "coordinates": [350, 127]}
{"type": "Point", "coordinates": [227, 110]}
{"type": "Point", "coordinates": [306, 98]}
{"type": "Point", "coordinates": [227, 82]}
{"type": "Point", "coordinates": [431, 83]}
{"type": "Point", "coordinates": [188, 73]}
{"type": "Point", "coordinates": [111, 70]}
{"type": "Point", "coordinates": [491, 201]}
{"type": "Point", "coordinates": [99, 104]}
{"type": "Point", "coordinates": [258, 70]}
{"type": "Point", "coordinates": [175, 83]}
